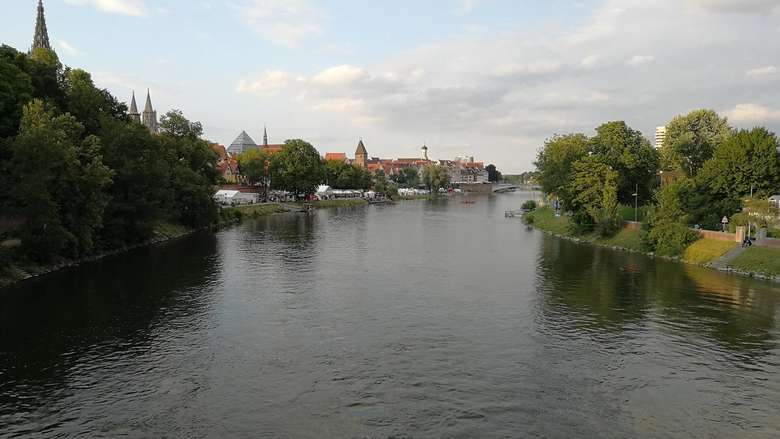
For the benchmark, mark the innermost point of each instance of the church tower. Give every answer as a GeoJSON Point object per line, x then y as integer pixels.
{"type": "Point", "coordinates": [135, 116]}
{"type": "Point", "coordinates": [265, 137]}
{"type": "Point", "coordinates": [41, 38]}
{"type": "Point", "coordinates": [150, 116]}
{"type": "Point", "coordinates": [361, 155]}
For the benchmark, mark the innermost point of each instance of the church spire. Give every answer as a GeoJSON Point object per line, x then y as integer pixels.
{"type": "Point", "coordinates": [135, 116]}
{"type": "Point", "coordinates": [150, 116]}
{"type": "Point", "coordinates": [148, 108]}
{"type": "Point", "coordinates": [265, 136]}
{"type": "Point", "coordinates": [41, 38]}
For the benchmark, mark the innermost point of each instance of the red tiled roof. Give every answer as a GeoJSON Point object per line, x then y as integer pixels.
{"type": "Point", "coordinates": [336, 156]}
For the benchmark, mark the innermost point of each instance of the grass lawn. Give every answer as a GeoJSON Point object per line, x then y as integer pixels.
{"type": "Point", "coordinates": [628, 214]}
{"type": "Point", "coordinates": [762, 260]}
{"type": "Point", "coordinates": [347, 202]}
{"type": "Point", "coordinates": [544, 218]}
{"type": "Point", "coordinates": [257, 210]}
{"type": "Point", "coordinates": [707, 250]}
{"type": "Point", "coordinates": [628, 239]}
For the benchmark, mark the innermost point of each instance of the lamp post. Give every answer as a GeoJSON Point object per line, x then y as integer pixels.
{"type": "Point", "coordinates": [636, 204]}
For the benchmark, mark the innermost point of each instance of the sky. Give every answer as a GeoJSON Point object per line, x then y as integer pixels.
{"type": "Point", "coordinates": [486, 78]}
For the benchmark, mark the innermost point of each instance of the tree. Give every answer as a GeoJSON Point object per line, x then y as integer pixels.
{"type": "Point", "coordinates": [298, 168]}
{"type": "Point", "coordinates": [747, 162]}
{"type": "Point", "coordinates": [59, 184]}
{"type": "Point", "coordinates": [554, 163]}
{"type": "Point", "coordinates": [493, 175]}
{"type": "Point", "coordinates": [631, 156]}
{"type": "Point", "coordinates": [16, 90]}
{"type": "Point", "coordinates": [667, 231]}
{"type": "Point", "coordinates": [692, 139]}
{"type": "Point", "coordinates": [340, 175]}
{"type": "Point", "coordinates": [407, 177]}
{"type": "Point", "coordinates": [383, 186]}
{"type": "Point", "coordinates": [436, 177]}
{"type": "Point", "coordinates": [174, 124]}
{"type": "Point", "coordinates": [87, 103]}
{"type": "Point", "coordinates": [594, 185]}
{"type": "Point", "coordinates": [253, 165]}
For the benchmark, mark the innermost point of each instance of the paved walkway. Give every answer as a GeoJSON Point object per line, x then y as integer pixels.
{"type": "Point", "coordinates": [726, 259]}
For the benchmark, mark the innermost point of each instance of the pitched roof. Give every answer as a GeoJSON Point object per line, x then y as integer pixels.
{"type": "Point", "coordinates": [242, 143]}
{"type": "Point", "coordinates": [335, 156]}
{"type": "Point", "coordinates": [361, 149]}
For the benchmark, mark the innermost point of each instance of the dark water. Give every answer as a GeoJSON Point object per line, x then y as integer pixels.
{"type": "Point", "coordinates": [426, 319]}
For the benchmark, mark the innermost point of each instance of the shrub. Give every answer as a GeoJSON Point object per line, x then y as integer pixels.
{"type": "Point", "coordinates": [528, 218]}
{"type": "Point", "coordinates": [529, 205]}
{"type": "Point", "coordinates": [581, 223]}
{"type": "Point", "coordinates": [671, 239]}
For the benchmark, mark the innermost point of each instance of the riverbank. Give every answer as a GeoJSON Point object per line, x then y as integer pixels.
{"type": "Point", "coordinates": [164, 232]}
{"type": "Point", "coordinates": [756, 262]}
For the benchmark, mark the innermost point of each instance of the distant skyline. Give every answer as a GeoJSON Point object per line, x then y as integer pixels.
{"type": "Point", "coordinates": [488, 78]}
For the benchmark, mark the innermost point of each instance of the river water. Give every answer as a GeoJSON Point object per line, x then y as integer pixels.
{"type": "Point", "coordinates": [425, 319]}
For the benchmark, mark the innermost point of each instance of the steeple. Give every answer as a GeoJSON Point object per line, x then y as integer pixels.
{"type": "Point", "coordinates": [150, 116]}
{"type": "Point", "coordinates": [41, 38]}
{"type": "Point", "coordinates": [361, 155]}
{"type": "Point", "coordinates": [265, 136]}
{"type": "Point", "coordinates": [135, 116]}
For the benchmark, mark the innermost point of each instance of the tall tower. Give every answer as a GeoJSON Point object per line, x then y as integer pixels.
{"type": "Point", "coordinates": [41, 38]}
{"type": "Point", "coordinates": [150, 116]}
{"type": "Point", "coordinates": [265, 137]}
{"type": "Point", "coordinates": [361, 155]}
{"type": "Point", "coordinates": [135, 116]}
{"type": "Point", "coordinates": [425, 153]}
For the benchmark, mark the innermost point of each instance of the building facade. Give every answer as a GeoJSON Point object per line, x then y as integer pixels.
{"type": "Point", "coordinates": [660, 136]}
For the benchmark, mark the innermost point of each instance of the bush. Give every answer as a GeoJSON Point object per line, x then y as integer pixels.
{"type": "Point", "coordinates": [529, 205]}
{"type": "Point", "coordinates": [671, 239]}
{"type": "Point", "coordinates": [528, 218]}
{"type": "Point", "coordinates": [580, 223]}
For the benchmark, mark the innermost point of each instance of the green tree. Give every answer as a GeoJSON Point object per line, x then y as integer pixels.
{"type": "Point", "coordinates": [16, 90]}
{"type": "Point", "coordinates": [494, 176]}
{"type": "Point", "coordinates": [340, 175]}
{"type": "Point", "coordinates": [59, 184]}
{"type": "Point", "coordinates": [667, 231]}
{"type": "Point", "coordinates": [407, 178]}
{"type": "Point", "coordinates": [384, 186]}
{"type": "Point", "coordinates": [631, 156]}
{"type": "Point", "coordinates": [87, 103]}
{"type": "Point", "coordinates": [554, 164]}
{"type": "Point", "coordinates": [435, 177]}
{"type": "Point", "coordinates": [692, 139]}
{"type": "Point", "coordinates": [174, 124]}
{"type": "Point", "coordinates": [253, 165]}
{"type": "Point", "coordinates": [746, 162]}
{"type": "Point", "coordinates": [594, 185]}
{"type": "Point", "coordinates": [297, 168]}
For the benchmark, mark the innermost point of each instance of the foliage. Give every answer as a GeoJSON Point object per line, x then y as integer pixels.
{"type": "Point", "coordinates": [704, 251]}
{"type": "Point", "coordinates": [529, 205]}
{"type": "Point", "coordinates": [174, 124]}
{"type": "Point", "coordinates": [692, 139]}
{"type": "Point", "coordinates": [554, 163]}
{"type": "Point", "coordinates": [253, 164]}
{"type": "Point", "coordinates": [746, 160]}
{"type": "Point", "coordinates": [764, 260]}
{"type": "Point", "coordinates": [407, 178]}
{"type": "Point", "coordinates": [595, 187]}
{"type": "Point", "coordinates": [670, 239]}
{"type": "Point", "coordinates": [341, 175]}
{"type": "Point", "coordinates": [435, 177]}
{"type": "Point", "coordinates": [383, 186]}
{"type": "Point", "coordinates": [631, 156]}
{"type": "Point", "coordinates": [298, 168]}
{"type": "Point", "coordinates": [494, 176]}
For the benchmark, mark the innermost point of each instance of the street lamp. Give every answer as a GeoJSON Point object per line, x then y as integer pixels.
{"type": "Point", "coordinates": [636, 204]}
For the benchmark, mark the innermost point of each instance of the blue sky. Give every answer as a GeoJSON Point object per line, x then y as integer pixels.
{"type": "Point", "coordinates": [489, 78]}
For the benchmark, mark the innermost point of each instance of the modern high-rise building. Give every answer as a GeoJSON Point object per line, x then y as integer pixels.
{"type": "Point", "coordinates": [660, 136]}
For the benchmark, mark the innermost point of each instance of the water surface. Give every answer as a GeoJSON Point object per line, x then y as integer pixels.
{"type": "Point", "coordinates": [425, 319]}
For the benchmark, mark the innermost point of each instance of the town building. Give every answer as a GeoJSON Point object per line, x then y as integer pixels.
{"type": "Point", "coordinates": [361, 155]}
{"type": "Point", "coordinates": [660, 136]}
{"type": "Point", "coordinates": [41, 37]}
{"type": "Point", "coordinates": [244, 143]}
{"type": "Point", "coordinates": [336, 157]}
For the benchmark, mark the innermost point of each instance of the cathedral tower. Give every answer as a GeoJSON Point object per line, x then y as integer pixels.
{"type": "Point", "coordinates": [41, 38]}
{"type": "Point", "coordinates": [135, 116]}
{"type": "Point", "coordinates": [150, 116]}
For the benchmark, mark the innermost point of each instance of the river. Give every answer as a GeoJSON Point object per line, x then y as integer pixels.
{"type": "Point", "coordinates": [425, 319]}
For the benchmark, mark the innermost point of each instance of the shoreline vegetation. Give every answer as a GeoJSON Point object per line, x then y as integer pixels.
{"type": "Point", "coordinates": [165, 232]}
{"type": "Point", "coordinates": [756, 262]}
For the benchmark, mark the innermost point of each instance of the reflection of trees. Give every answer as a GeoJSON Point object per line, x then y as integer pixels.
{"type": "Point", "coordinates": [100, 308]}
{"type": "Point", "coordinates": [590, 288]}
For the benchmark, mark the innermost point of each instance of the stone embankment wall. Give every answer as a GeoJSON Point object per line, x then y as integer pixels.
{"type": "Point", "coordinates": [718, 236]}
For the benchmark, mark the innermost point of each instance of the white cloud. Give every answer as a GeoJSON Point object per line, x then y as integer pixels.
{"type": "Point", "coordinates": [270, 81]}
{"type": "Point", "coordinates": [67, 47]}
{"type": "Point", "coordinates": [285, 22]}
{"type": "Point", "coordinates": [126, 7]}
{"type": "Point", "coordinates": [466, 6]}
{"type": "Point", "coordinates": [340, 105]}
{"type": "Point", "coordinates": [340, 75]}
{"type": "Point", "coordinates": [760, 72]}
{"type": "Point", "coordinates": [752, 113]}
{"type": "Point", "coordinates": [537, 68]}
{"type": "Point", "coordinates": [638, 60]}
{"type": "Point", "coordinates": [736, 6]}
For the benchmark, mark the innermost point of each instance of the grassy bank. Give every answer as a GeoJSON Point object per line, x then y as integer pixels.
{"type": "Point", "coordinates": [347, 202]}
{"type": "Point", "coordinates": [705, 251]}
{"type": "Point", "coordinates": [762, 260]}
{"type": "Point", "coordinates": [256, 210]}
{"type": "Point", "coordinates": [545, 219]}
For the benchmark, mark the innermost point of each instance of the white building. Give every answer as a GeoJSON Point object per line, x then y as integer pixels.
{"type": "Point", "coordinates": [660, 136]}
